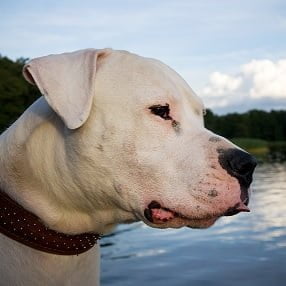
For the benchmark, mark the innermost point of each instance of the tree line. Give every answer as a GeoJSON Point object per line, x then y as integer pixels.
{"type": "Point", "coordinates": [259, 124]}
{"type": "Point", "coordinates": [16, 95]}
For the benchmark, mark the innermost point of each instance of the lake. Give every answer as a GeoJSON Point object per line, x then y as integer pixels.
{"type": "Point", "coordinates": [248, 249]}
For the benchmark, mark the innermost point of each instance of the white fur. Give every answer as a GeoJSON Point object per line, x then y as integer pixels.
{"type": "Point", "coordinates": [90, 154]}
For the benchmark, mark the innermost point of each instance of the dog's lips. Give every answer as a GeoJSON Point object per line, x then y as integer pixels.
{"type": "Point", "coordinates": [158, 215]}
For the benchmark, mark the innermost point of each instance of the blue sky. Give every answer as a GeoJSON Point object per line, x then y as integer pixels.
{"type": "Point", "coordinates": [231, 52]}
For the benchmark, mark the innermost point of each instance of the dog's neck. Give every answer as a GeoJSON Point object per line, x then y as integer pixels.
{"type": "Point", "coordinates": [36, 171]}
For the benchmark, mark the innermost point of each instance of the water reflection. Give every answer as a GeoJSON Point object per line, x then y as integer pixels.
{"type": "Point", "coordinates": [248, 249]}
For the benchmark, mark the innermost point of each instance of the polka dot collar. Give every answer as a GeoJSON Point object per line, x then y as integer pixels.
{"type": "Point", "coordinates": [26, 228]}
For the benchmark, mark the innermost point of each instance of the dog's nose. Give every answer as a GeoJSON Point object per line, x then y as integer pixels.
{"type": "Point", "coordinates": [241, 163]}
{"type": "Point", "coordinates": [238, 164]}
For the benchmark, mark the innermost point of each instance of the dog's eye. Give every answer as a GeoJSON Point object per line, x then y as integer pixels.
{"type": "Point", "coordinates": [161, 110]}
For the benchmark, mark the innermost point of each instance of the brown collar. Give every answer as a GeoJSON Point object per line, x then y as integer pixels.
{"type": "Point", "coordinates": [23, 226]}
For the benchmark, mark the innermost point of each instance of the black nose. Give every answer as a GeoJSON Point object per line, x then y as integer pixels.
{"type": "Point", "coordinates": [238, 164]}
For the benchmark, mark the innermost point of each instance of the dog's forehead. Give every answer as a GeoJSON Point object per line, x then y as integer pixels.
{"type": "Point", "coordinates": [148, 80]}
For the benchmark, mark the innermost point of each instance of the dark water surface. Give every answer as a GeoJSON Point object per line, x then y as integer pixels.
{"type": "Point", "coordinates": [248, 249]}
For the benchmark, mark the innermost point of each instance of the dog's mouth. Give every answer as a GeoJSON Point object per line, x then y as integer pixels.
{"type": "Point", "coordinates": [155, 213]}
{"type": "Point", "coordinates": [159, 215]}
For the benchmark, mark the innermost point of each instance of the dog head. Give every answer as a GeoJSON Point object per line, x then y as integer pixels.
{"type": "Point", "coordinates": [136, 140]}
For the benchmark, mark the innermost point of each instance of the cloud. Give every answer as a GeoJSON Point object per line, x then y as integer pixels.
{"type": "Point", "coordinates": [221, 84]}
{"type": "Point", "coordinates": [268, 78]}
{"type": "Point", "coordinates": [257, 84]}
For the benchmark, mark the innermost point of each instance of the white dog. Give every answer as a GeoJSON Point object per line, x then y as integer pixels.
{"type": "Point", "coordinates": [115, 138]}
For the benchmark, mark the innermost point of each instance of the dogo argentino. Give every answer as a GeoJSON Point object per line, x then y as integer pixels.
{"type": "Point", "coordinates": [115, 138]}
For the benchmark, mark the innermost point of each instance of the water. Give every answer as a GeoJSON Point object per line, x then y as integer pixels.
{"type": "Point", "coordinates": [247, 249]}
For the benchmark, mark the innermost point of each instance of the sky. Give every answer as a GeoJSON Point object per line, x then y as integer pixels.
{"type": "Point", "coordinates": [231, 52]}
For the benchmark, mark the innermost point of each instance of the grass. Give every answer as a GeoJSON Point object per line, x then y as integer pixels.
{"type": "Point", "coordinates": [252, 145]}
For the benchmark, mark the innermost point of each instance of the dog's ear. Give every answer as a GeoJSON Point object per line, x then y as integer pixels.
{"type": "Point", "coordinates": [67, 82]}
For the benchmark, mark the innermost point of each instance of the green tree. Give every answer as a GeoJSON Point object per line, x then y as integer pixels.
{"type": "Point", "coordinates": [15, 93]}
